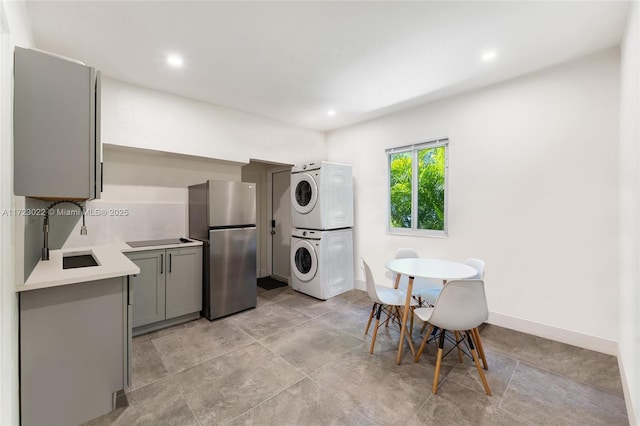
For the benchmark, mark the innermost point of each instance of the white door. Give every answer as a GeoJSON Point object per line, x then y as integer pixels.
{"type": "Point", "coordinates": [281, 225]}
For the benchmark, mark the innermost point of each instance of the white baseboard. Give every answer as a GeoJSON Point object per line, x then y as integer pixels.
{"type": "Point", "coordinates": [628, 400]}
{"type": "Point", "coordinates": [569, 337]}
{"type": "Point", "coordinates": [585, 341]}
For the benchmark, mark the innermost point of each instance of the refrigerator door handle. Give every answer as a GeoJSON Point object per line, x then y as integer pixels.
{"type": "Point", "coordinates": [162, 263]}
{"type": "Point", "coordinates": [169, 262]}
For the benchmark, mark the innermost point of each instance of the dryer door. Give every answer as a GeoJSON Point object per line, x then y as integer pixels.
{"type": "Point", "coordinates": [304, 192]}
{"type": "Point", "coordinates": [304, 261]}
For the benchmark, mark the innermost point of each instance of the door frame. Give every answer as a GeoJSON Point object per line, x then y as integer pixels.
{"type": "Point", "coordinates": [270, 173]}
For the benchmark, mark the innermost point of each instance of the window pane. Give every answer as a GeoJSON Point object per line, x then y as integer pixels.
{"type": "Point", "coordinates": [431, 169]}
{"type": "Point", "coordinates": [400, 190]}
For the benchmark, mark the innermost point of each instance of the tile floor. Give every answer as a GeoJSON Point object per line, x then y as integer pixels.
{"type": "Point", "coordinates": [295, 360]}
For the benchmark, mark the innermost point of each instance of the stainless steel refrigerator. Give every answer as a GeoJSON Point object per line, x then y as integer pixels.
{"type": "Point", "coordinates": [222, 215]}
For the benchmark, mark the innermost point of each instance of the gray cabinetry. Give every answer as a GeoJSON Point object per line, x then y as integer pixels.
{"type": "Point", "coordinates": [184, 281]}
{"type": "Point", "coordinates": [168, 289]}
{"type": "Point", "coordinates": [74, 351]}
{"type": "Point", "coordinates": [148, 287]}
{"type": "Point", "coordinates": [57, 151]}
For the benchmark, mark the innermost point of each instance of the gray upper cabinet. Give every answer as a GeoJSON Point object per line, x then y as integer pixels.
{"type": "Point", "coordinates": [57, 151]}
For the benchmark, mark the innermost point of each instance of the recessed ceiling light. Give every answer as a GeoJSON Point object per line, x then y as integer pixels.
{"type": "Point", "coordinates": [331, 113]}
{"type": "Point", "coordinates": [174, 60]}
{"type": "Point", "coordinates": [489, 55]}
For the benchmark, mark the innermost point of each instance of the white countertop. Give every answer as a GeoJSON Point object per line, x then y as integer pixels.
{"type": "Point", "coordinates": [111, 263]}
{"type": "Point", "coordinates": [49, 273]}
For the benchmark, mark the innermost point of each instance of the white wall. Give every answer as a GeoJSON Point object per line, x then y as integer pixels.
{"type": "Point", "coordinates": [151, 187]}
{"type": "Point", "coordinates": [630, 214]}
{"type": "Point", "coordinates": [156, 144]}
{"type": "Point", "coordinates": [532, 191]}
{"type": "Point", "coordinates": [14, 30]}
{"type": "Point", "coordinates": [143, 118]}
{"type": "Point", "coordinates": [257, 173]}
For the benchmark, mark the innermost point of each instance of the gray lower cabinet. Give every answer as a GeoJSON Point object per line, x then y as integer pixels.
{"type": "Point", "coordinates": [183, 281]}
{"type": "Point", "coordinates": [75, 345]}
{"type": "Point", "coordinates": [148, 287]}
{"type": "Point", "coordinates": [168, 289]}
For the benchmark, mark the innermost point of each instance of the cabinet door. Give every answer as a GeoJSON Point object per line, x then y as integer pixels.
{"type": "Point", "coordinates": [184, 281]}
{"type": "Point", "coordinates": [72, 353]}
{"type": "Point", "coordinates": [56, 127]}
{"type": "Point", "coordinates": [148, 287]}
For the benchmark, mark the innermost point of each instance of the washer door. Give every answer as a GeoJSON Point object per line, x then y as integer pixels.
{"type": "Point", "coordinates": [304, 192]}
{"type": "Point", "coordinates": [304, 260]}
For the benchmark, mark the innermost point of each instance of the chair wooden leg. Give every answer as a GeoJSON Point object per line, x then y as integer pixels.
{"type": "Point", "coordinates": [405, 313]}
{"type": "Point", "coordinates": [398, 316]}
{"type": "Point", "coordinates": [394, 314]}
{"type": "Point", "coordinates": [438, 362]}
{"type": "Point", "coordinates": [407, 335]}
{"type": "Point", "coordinates": [423, 327]}
{"type": "Point", "coordinates": [410, 341]}
{"type": "Point", "coordinates": [477, 362]}
{"type": "Point", "coordinates": [386, 321]}
{"type": "Point", "coordinates": [478, 342]}
{"type": "Point", "coordinates": [424, 342]}
{"type": "Point", "coordinates": [411, 327]}
{"type": "Point", "coordinates": [375, 330]}
{"type": "Point", "coordinates": [457, 336]}
{"type": "Point", "coordinates": [373, 310]}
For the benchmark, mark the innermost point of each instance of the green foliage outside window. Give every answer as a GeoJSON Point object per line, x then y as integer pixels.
{"type": "Point", "coordinates": [401, 176]}
{"type": "Point", "coordinates": [430, 192]}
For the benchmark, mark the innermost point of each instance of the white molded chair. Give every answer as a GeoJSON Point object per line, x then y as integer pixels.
{"type": "Point", "coordinates": [421, 286]}
{"type": "Point", "coordinates": [384, 299]}
{"type": "Point", "coordinates": [478, 265]}
{"type": "Point", "coordinates": [431, 296]}
{"type": "Point", "coordinates": [461, 307]}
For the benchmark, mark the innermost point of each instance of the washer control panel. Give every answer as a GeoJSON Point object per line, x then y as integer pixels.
{"type": "Point", "coordinates": [310, 234]}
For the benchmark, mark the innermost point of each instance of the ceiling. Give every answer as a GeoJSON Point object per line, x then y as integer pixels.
{"type": "Point", "coordinates": [294, 61]}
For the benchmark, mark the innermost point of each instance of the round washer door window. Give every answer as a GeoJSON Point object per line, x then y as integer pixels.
{"type": "Point", "coordinates": [304, 192]}
{"type": "Point", "coordinates": [304, 260]}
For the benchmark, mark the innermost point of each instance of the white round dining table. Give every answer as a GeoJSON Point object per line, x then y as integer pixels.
{"type": "Point", "coordinates": [444, 270]}
{"type": "Point", "coordinates": [431, 268]}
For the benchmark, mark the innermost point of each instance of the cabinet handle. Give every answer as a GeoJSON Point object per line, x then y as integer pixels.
{"type": "Point", "coordinates": [169, 262]}
{"type": "Point", "coordinates": [161, 263]}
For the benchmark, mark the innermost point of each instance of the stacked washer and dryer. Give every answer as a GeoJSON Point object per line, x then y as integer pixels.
{"type": "Point", "coordinates": [322, 238]}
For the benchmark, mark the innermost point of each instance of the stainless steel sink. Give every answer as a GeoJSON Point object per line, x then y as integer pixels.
{"type": "Point", "coordinates": [165, 242]}
{"type": "Point", "coordinates": [78, 260]}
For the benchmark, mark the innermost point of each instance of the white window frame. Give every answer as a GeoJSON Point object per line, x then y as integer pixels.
{"type": "Point", "coordinates": [414, 149]}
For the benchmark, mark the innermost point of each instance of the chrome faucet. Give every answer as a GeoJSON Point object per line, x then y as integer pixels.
{"type": "Point", "coordinates": [45, 226]}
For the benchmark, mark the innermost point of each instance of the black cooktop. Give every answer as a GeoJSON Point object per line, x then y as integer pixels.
{"type": "Point", "coordinates": [165, 242]}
